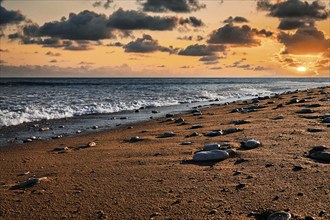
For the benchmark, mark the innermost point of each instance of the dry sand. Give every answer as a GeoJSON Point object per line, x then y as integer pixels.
{"type": "Point", "coordinates": [155, 178]}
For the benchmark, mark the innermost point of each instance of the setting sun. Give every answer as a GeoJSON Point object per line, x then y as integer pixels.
{"type": "Point", "coordinates": [301, 69]}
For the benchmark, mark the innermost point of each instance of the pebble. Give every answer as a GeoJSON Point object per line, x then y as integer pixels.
{"type": "Point", "coordinates": [197, 114]}
{"type": "Point", "coordinates": [28, 183]}
{"type": "Point", "coordinates": [326, 120]}
{"type": "Point", "coordinates": [130, 127]}
{"type": "Point", "coordinates": [292, 101]}
{"type": "Point", "coordinates": [213, 133]}
{"type": "Point", "coordinates": [154, 111]}
{"type": "Point", "coordinates": [193, 134]}
{"type": "Point", "coordinates": [44, 129]}
{"type": "Point", "coordinates": [179, 120]}
{"type": "Point", "coordinates": [196, 126]}
{"type": "Point", "coordinates": [279, 216]}
{"type": "Point", "coordinates": [186, 143]}
{"type": "Point", "coordinates": [313, 105]}
{"type": "Point", "coordinates": [297, 167]}
{"type": "Point", "coordinates": [208, 147]}
{"type": "Point", "coordinates": [279, 117]}
{"type": "Point", "coordinates": [27, 140]}
{"type": "Point", "coordinates": [240, 185]}
{"type": "Point", "coordinates": [61, 149]}
{"type": "Point", "coordinates": [315, 130]}
{"type": "Point", "coordinates": [137, 110]}
{"type": "Point", "coordinates": [91, 144]}
{"type": "Point", "coordinates": [169, 119]}
{"type": "Point", "coordinates": [250, 144]}
{"type": "Point", "coordinates": [95, 127]}
{"type": "Point", "coordinates": [169, 115]}
{"type": "Point", "coordinates": [167, 134]}
{"type": "Point", "coordinates": [305, 111]}
{"type": "Point", "coordinates": [239, 122]}
{"type": "Point", "coordinates": [234, 110]}
{"type": "Point", "coordinates": [231, 130]}
{"type": "Point", "coordinates": [210, 155]}
{"type": "Point", "coordinates": [134, 139]}
{"type": "Point", "coordinates": [123, 118]}
{"type": "Point", "coordinates": [78, 131]}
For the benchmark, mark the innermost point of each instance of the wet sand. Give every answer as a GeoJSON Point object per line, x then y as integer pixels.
{"type": "Point", "coordinates": [155, 178]}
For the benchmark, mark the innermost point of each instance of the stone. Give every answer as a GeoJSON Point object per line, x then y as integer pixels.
{"type": "Point", "coordinates": [234, 110]}
{"type": "Point", "coordinates": [320, 153]}
{"type": "Point", "coordinates": [95, 127]}
{"type": "Point", "coordinates": [239, 122]}
{"type": "Point", "coordinates": [193, 134]}
{"type": "Point", "coordinates": [196, 126]}
{"type": "Point", "coordinates": [315, 130]}
{"type": "Point", "coordinates": [231, 130]}
{"type": "Point", "coordinates": [305, 111]}
{"type": "Point", "coordinates": [294, 100]}
{"type": "Point", "coordinates": [279, 117]}
{"type": "Point", "coordinates": [179, 120]}
{"type": "Point", "coordinates": [28, 183]}
{"type": "Point", "coordinates": [154, 111]}
{"type": "Point", "coordinates": [123, 118]}
{"type": "Point", "coordinates": [27, 140]}
{"type": "Point", "coordinates": [197, 114]}
{"type": "Point", "coordinates": [134, 139]}
{"type": "Point", "coordinates": [167, 134]}
{"type": "Point", "coordinates": [213, 155]}
{"type": "Point", "coordinates": [213, 133]}
{"type": "Point", "coordinates": [61, 126]}
{"type": "Point", "coordinates": [91, 144]}
{"type": "Point", "coordinates": [61, 149]}
{"type": "Point", "coordinates": [169, 119]}
{"type": "Point", "coordinates": [208, 147]}
{"type": "Point", "coordinates": [169, 115]}
{"type": "Point", "coordinates": [279, 216]}
{"type": "Point", "coordinates": [326, 120]}
{"type": "Point", "coordinates": [186, 143]}
{"type": "Point", "coordinates": [313, 105]}
{"type": "Point", "coordinates": [250, 144]}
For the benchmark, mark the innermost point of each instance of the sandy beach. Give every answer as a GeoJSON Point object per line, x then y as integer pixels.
{"type": "Point", "coordinates": [156, 178]}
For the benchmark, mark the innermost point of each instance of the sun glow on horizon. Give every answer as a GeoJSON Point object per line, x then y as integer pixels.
{"type": "Point", "coordinates": [301, 69]}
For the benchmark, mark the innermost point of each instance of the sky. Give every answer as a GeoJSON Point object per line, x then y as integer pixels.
{"type": "Point", "coordinates": [164, 38]}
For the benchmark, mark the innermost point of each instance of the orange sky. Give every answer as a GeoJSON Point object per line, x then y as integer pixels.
{"type": "Point", "coordinates": [294, 52]}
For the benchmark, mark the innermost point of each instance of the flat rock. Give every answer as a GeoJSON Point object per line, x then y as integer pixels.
{"type": "Point", "coordinates": [315, 130]}
{"type": "Point", "coordinates": [320, 153]}
{"type": "Point", "coordinates": [213, 155]}
{"type": "Point", "coordinates": [213, 133]}
{"type": "Point", "coordinates": [305, 111]}
{"type": "Point", "coordinates": [196, 126]}
{"type": "Point", "coordinates": [179, 120]}
{"type": "Point", "coordinates": [279, 117]}
{"type": "Point", "coordinates": [240, 122]}
{"type": "Point", "coordinates": [167, 134]}
{"type": "Point", "coordinates": [250, 144]}
{"type": "Point", "coordinates": [169, 115]}
{"type": "Point", "coordinates": [231, 130]}
{"type": "Point", "coordinates": [186, 143]}
{"type": "Point", "coordinates": [208, 147]}
{"type": "Point", "coordinates": [326, 120]}
{"type": "Point", "coordinates": [193, 134]}
{"type": "Point", "coordinates": [279, 216]}
{"type": "Point", "coordinates": [28, 183]}
{"type": "Point", "coordinates": [44, 129]}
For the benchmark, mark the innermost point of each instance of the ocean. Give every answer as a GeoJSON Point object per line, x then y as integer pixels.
{"type": "Point", "coordinates": [88, 101]}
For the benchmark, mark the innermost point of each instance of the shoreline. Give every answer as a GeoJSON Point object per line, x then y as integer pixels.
{"type": "Point", "coordinates": [156, 177]}
{"type": "Point", "coordinates": [68, 127]}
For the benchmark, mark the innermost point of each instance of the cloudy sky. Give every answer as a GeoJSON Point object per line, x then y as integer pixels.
{"type": "Point", "coordinates": [164, 38]}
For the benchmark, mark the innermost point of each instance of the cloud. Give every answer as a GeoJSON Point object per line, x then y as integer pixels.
{"type": "Point", "coordinates": [236, 19]}
{"type": "Point", "coordinates": [116, 44]}
{"type": "Point", "coordinates": [292, 23]}
{"type": "Point", "coordinates": [146, 44]}
{"type": "Point", "coordinates": [201, 50]}
{"type": "Point", "coordinates": [53, 61]}
{"type": "Point", "coordinates": [304, 40]}
{"type": "Point", "coordinates": [4, 50]}
{"type": "Point", "coordinates": [182, 6]}
{"type": "Point", "coordinates": [86, 25]}
{"type": "Point", "coordinates": [190, 38]}
{"type": "Point", "coordinates": [295, 9]}
{"type": "Point", "coordinates": [294, 14]}
{"type": "Point", "coordinates": [10, 17]}
{"type": "Point", "coordinates": [105, 4]}
{"type": "Point", "coordinates": [236, 35]}
{"type": "Point", "coordinates": [136, 20]}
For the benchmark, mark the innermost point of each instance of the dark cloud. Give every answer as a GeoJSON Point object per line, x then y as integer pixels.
{"type": "Point", "coordinates": [10, 17]}
{"type": "Point", "coordinates": [105, 4]}
{"type": "Point", "coordinates": [244, 35]}
{"type": "Point", "coordinates": [86, 25]}
{"type": "Point", "coordinates": [136, 20]}
{"type": "Point", "coordinates": [304, 40]}
{"type": "Point", "coordinates": [116, 44]}
{"type": "Point", "coordinates": [172, 5]}
{"type": "Point", "coordinates": [190, 38]}
{"type": "Point", "coordinates": [291, 24]}
{"type": "Point", "coordinates": [201, 50]}
{"type": "Point", "coordinates": [294, 14]}
{"type": "Point", "coordinates": [146, 44]}
{"type": "Point", "coordinates": [210, 60]}
{"type": "Point", "coordinates": [295, 9]}
{"type": "Point", "coordinates": [195, 22]}
{"type": "Point", "coordinates": [236, 19]}
{"type": "Point", "coordinates": [53, 61]}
